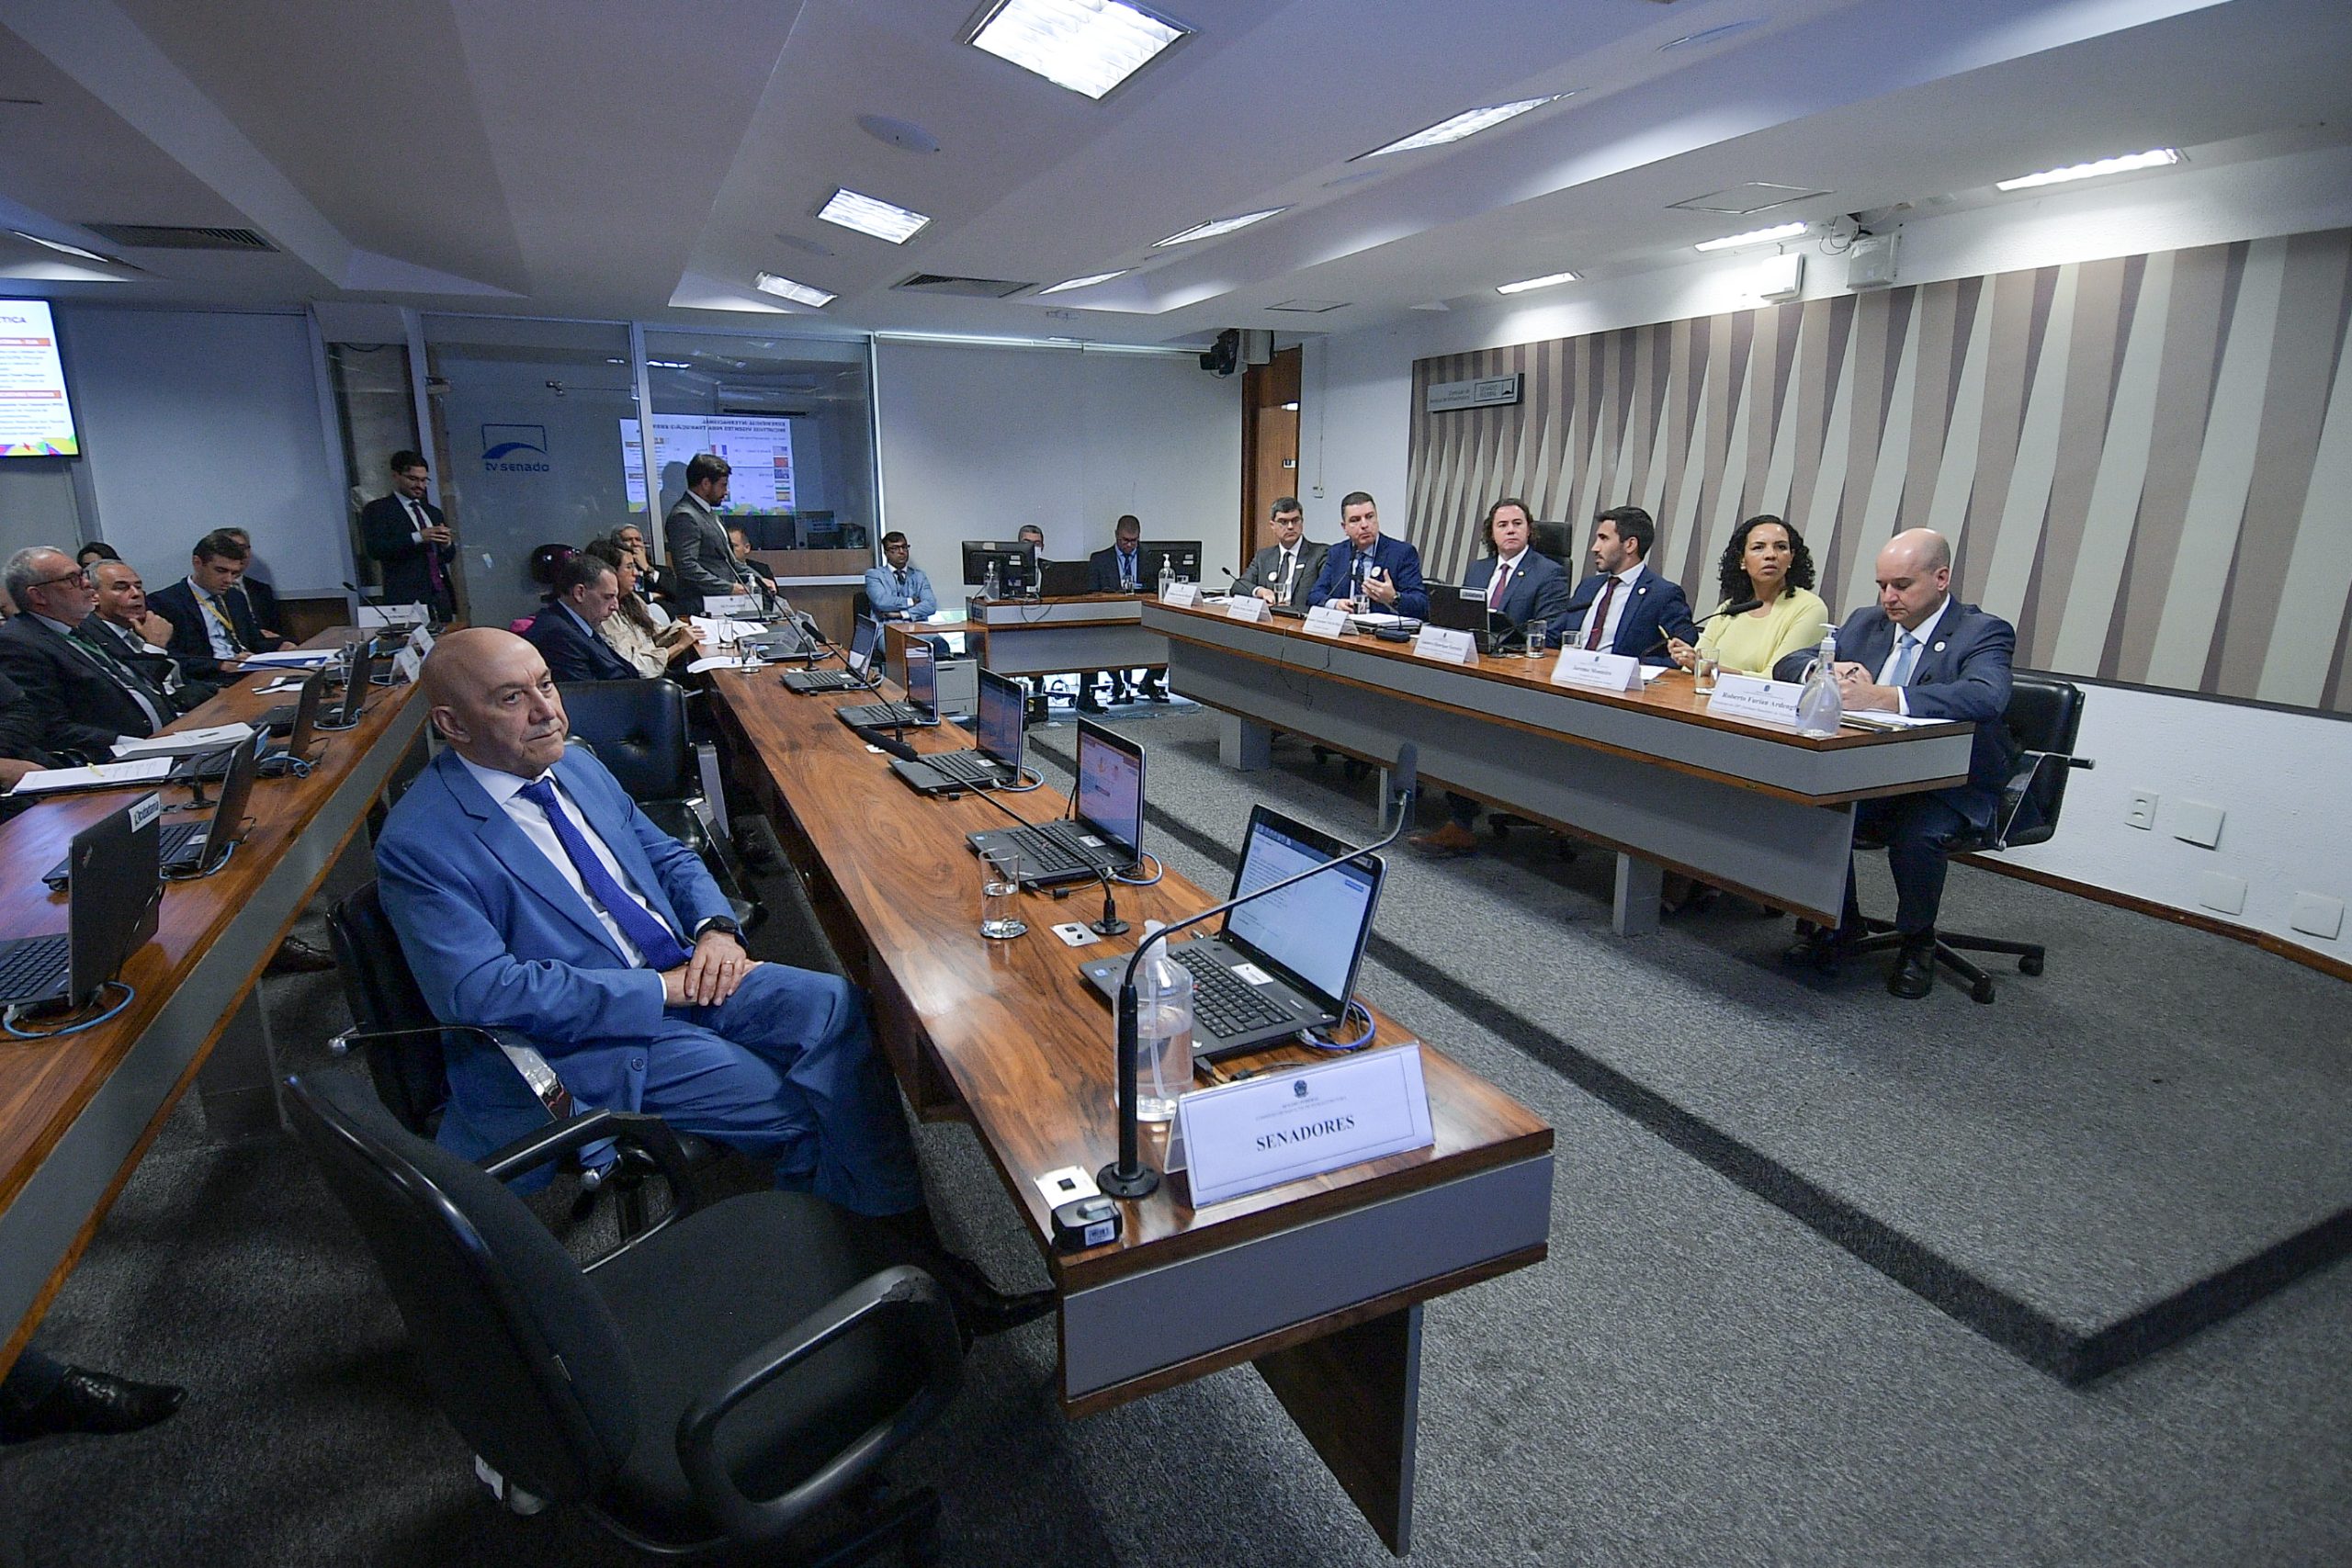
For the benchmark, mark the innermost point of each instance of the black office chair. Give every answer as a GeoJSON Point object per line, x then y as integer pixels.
{"type": "Point", "coordinates": [2044, 718]}
{"type": "Point", "coordinates": [860, 606]}
{"type": "Point", "coordinates": [1557, 540]}
{"type": "Point", "coordinates": [719, 1380]}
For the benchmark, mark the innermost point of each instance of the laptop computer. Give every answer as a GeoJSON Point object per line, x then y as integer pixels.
{"type": "Point", "coordinates": [1465, 610]}
{"type": "Point", "coordinates": [1065, 580]}
{"type": "Point", "coordinates": [863, 643]}
{"type": "Point", "coordinates": [1283, 963]}
{"type": "Point", "coordinates": [921, 707]}
{"type": "Point", "coordinates": [184, 849]}
{"type": "Point", "coordinates": [1001, 731]}
{"type": "Point", "coordinates": [274, 760]}
{"type": "Point", "coordinates": [1106, 834]}
{"type": "Point", "coordinates": [355, 689]}
{"type": "Point", "coordinates": [111, 911]}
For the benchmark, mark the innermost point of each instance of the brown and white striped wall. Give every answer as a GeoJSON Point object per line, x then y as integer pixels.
{"type": "Point", "coordinates": [2144, 462]}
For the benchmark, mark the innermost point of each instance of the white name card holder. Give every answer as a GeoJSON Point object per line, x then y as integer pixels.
{"type": "Point", "coordinates": [1247, 607]}
{"type": "Point", "coordinates": [406, 664]}
{"type": "Point", "coordinates": [1182, 595]}
{"type": "Point", "coordinates": [1324, 620]}
{"type": "Point", "coordinates": [1752, 696]}
{"type": "Point", "coordinates": [1446, 643]}
{"type": "Point", "coordinates": [1596, 671]}
{"type": "Point", "coordinates": [378, 615]}
{"type": "Point", "coordinates": [421, 641]}
{"type": "Point", "coordinates": [1280, 1126]}
{"type": "Point", "coordinates": [731, 605]}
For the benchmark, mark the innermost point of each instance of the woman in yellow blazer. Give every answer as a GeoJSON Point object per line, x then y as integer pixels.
{"type": "Point", "coordinates": [1767, 561]}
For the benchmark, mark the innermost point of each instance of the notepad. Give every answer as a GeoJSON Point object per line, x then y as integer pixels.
{"type": "Point", "coordinates": [101, 775]}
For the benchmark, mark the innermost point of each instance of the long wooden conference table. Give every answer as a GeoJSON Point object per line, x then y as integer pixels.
{"type": "Point", "coordinates": [1319, 1283]}
{"type": "Point", "coordinates": [1744, 805]}
{"type": "Point", "coordinates": [77, 1112]}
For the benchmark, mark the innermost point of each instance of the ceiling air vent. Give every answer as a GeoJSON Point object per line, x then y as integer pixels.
{"type": "Point", "coordinates": [176, 237]}
{"type": "Point", "coordinates": [1310, 307]}
{"type": "Point", "coordinates": [966, 287]}
{"type": "Point", "coordinates": [1741, 200]}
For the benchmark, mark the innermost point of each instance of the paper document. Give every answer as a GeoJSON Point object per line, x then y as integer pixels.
{"type": "Point", "coordinates": [718, 628]}
{"type": "Point", "coordinates": [1373, 620]}
{"type": "Point", "coordinates": [1890, 721]}
{"type": "Point", "coordinates": [184, 742]}
{"type": "Point", "coordinates": [723, 661]}
{"type": "Point", "coordinates": [1652, 671]}
{"type": "Point", "coordinates": [291, 658]}
{"type": "Point", "coordinates": [104, 776]}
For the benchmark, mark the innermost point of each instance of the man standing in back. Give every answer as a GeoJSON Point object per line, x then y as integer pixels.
{"type": "Point", "coordinates": [696, 539]}
{"type": "Point", "coordinates": [409, 539]}
{"type": "Point", "coordinates": [1284, 571]}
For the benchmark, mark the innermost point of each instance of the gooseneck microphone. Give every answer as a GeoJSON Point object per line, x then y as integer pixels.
{"type": "Point", "coordinates": [1738, 607]}
{"type": "Point", "coordinates": [888, 744]}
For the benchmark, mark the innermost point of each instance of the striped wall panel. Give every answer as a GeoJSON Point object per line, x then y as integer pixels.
{"type": "Point", "coordinates": [2144, 462]}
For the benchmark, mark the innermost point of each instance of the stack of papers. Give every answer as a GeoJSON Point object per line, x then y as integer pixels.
{"type": "Point", "coordinates": [1375, 621]}
{"type": "Point", "coordinates": [718, 628]}
{"type": "Point", "coordinates": [1876, 720]}
{"type": "Point", "coordinates": [184, 742]}
{"type": "Point", "coordinates": [292, 658]}
{"type": "Point", "coordinates": [104, 776]}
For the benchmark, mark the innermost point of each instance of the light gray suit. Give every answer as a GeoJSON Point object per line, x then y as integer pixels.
{"type": "Point", "coordinates": [1266, 571]}
{"type": "Point", "coordinates": [699, 553]}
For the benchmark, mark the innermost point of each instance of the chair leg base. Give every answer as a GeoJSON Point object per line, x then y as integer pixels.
{"type": "Point", "coordinates": [1951, 945]}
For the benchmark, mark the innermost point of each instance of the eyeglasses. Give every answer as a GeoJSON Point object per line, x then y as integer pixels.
{"type": "Point", "coordinates": [76, 575]}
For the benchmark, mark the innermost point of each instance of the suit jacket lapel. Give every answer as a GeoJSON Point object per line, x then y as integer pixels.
{"type": "Point", "coordinates": [522, 858]}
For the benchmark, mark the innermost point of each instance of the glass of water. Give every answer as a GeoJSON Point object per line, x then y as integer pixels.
{"type": "Point", "coordinates": [1536, 628]}
{"type": "Point", "coordinates": [999, 886]}
{"type": "Point", "coordinates": [1703, 665]}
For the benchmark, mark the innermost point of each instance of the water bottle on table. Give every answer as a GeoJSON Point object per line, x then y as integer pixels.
{"type": "Point", "coordinates": [1164, 1029]}
{"type": "Point", "coordinates": [1820, 707]}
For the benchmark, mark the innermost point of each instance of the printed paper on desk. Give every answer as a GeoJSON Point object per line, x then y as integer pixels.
{"type": "Point", "coordinates": [1182, 595]}
{"type": "Point", "coordinates": [1596, 671]}
{"type": "Point", "coordinates": [1325, 620]}
{"type": "Point", "coordinates": [1446, 643]}
{"type": "Point", "coordinates": [1286, 1125]}
{"type": "Point", "coordinates": [1246, 607]}
{"type": "Point", "coordinates": [1752, 696]}
{"type": "Point", "coordinates": [184, 742]}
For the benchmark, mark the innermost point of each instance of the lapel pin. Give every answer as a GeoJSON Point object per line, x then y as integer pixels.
{"type": "Point", "coordinates": [1939, 648]}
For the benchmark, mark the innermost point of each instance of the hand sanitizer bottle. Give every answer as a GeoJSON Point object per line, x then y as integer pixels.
{"type": "Point", "coordinates": [1820, 709]}
{"type": "Point", "coordinates": [1167, 576]}
{"type": "Point", "coordinates": [1164, 1029]}
{"type": "Point", "coordinates": [994, 587]}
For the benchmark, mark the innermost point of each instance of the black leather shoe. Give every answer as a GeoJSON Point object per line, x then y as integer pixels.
{"type": "Point", "coordinates": [1088, 703]}
{"type": "Point", "coordinates": [1821, 947]}
{"type": "Point", "coordinates": [85, 1401]}
{"type": "Point", "coordinates": [980, 1308]}
{"type": "Point", "coordinates": [1121, 696]}
{"type": "Point", "coordinates": [1155, 692]}
{"type": "Point", "coordinates": [1915, 968]}
{"type": "Point", "coordinates": [295, 956]}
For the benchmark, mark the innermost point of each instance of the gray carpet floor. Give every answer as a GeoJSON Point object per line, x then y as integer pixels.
{"type": "Point", "coordinates": [1698, 1374]}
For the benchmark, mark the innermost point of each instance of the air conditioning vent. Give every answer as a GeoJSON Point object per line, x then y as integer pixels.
{"type": "Point", "coordinates": [176, 237]}
{"type": "Point", "coordinates": [966, 287]}
{"type": "Point", "coordinates": [1310, 307]}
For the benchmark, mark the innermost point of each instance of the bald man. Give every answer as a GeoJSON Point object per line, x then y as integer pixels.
{"type": "Point", "coordinates": [531, 894]}
{"type": "Point", "coordinates": [1918, 650]}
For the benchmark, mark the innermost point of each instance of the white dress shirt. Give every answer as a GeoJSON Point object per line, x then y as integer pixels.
{"type": "Point", "coordinates": [1925, 637]}
{"type": "Point", "coordinates": [223, 647]}
{"type": "Point", "coordinates": [418, 519]}
{"type": "Point", "coordinates": [1626, 579]}
{"type": "Point", "coordinates": [505, 791]}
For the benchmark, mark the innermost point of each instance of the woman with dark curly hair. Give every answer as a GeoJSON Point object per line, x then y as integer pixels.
{"type": "Point", "coordinates": [1766, 562]}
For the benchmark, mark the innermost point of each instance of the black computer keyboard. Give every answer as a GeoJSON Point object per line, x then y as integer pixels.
{"type": "Point", "coordinates": [36, 968]}
{"type": "Point", "coordinates": [965, 768]}
{"type": "Point", "coordinates": [874, 716]}
{"type": "Point", "coordinates": [1223, 1002]}
{"type": "Point", "coordinates": [823, 680]}
{"type": "Point", "coordinates": [1043, 853]}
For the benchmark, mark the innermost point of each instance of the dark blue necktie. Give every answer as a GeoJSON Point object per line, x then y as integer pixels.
{"type": "Point", "coordinates": [653, 938]}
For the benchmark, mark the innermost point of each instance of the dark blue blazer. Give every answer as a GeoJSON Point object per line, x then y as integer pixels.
{"type": "Point", "coordinates": [572, 652]}
{"type": "Point", "coordinates": [1400, 561]}
{"type": "Point", "coordinates": [1962, 673]}
{"type": "Point", "coordinates": [497, 939]}
{"type": "Point", "coordinates": [1539, 588]}
{"type": "Point", "coordinates": [1103, 570]}
{"type": "Point", "coordinates": [1657, 608]}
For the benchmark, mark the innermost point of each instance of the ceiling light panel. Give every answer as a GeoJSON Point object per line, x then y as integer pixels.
{"type": "Point", "coordinates": [1753, 237]}
{"type": "Point", "coordinates": [1215, 226]}
{"type": "Point", "coordinates": [872, 215]}
{"type": "Point", "coordinates": [1088, 45]}
{"type": "Point", "coordinates": [61, 247]}
{"type": "Point", "coordinates": [798, 293]}
{"type": "Point", "coordinates": [1069, 282]}
{"type": "Point", "coordinates": [2155, 158]}
{"type": "Point", "coordinates": [1524, 284]}
{"type": "Point", "coordinates": [1469, 123]}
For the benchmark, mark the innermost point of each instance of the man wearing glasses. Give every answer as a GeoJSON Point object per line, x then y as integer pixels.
{"type": "Point", "coordinates": [86, 697]}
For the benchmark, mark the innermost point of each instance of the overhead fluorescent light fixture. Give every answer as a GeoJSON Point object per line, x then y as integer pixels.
{"type": "Point", "coordinates": [1753, 237]}
{"type": "Point", "coordinates": [1524, 284]}
{"type": "Point", "coordinates": [2153, 158]}
{"type": "Point", "coordinates": [1217, 226]}
{"type": "Point", "coordinates": [871, 215]}
{"type": "Point", "coordinates": [60, 245]}
{"type": "Point", "coordinates": [1085, 282]}
{"type": "Point", "coordinates": [1088, 45]}
{"type": "Point", "coordinates": [798, 293]}
{"type": "Point", "coordinates": [1469, 123]}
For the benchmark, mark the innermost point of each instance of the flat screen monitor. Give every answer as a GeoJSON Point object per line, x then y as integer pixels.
{"type": "Point", "coordinates": [36, 414]}
{"type": "Point", "coordinates": [863, 643]}
{"type": "Point", "coordinates": [115, 874]}
{"type": "Point", "coordinates": [1015, 560]}
{"type": "Point", "coordinates": [1110, 786]}
{"type": "Point", "coordinates": [1003, 710]}
{"type": "Point", "coordinates": [1182, 557]}
{"type": "Point", "coordinates": [1314, 929]}
{"type": "Point", "coordinates": [922, 678]}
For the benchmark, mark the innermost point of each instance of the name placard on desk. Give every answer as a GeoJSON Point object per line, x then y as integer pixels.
{"type": "Point", "coordinates": [1446, 643]}
{"type": "Point", "coordinates": [1752, 696]}
{"type": "Point", "coordinates": [731, 605]}
{"type": "Point", "coordinates": [1325, 620]}
{"type": "Point", "coordinates": [1246, 607]}
{"type": "Point", "coordinates": [1242, 1137]}
{"type": "Point", "coordinates": [1596, 671]}
{"type": "Point", "coordinates": [1182, 595]}
{"type": "Point", "coordinates": [406, 664]}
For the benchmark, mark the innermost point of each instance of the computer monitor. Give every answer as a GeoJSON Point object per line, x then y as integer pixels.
{"type": "Point", "coordinates": [1110, 786]}
{"type": "Point", "coordinates": [863, 643]}
{"type": "Point", "coordinates": [1015, 562]}
{"type": "Point", "coordinates": [1182, 556]}
{"type": "Point", "coordinates": [1314, 932]}
{"type": "Point", "coordinates": [1003, 713]}
{"type": "Point", "coordinates": [355, 687]}
{"type": "Point", "coordinates": [922, 679]}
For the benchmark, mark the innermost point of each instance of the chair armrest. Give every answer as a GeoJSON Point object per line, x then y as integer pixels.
{"type": "Point", "coordinates": [649, 1134]}
{"type": "Point", "coordinates": [899, 1291]}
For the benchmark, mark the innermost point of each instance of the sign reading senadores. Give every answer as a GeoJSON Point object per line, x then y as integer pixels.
{"type": "Point", "coordinates": [1486, 393]}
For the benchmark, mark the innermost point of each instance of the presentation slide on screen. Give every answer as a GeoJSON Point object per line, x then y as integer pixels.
{"type": "Point", "coordinates": [758, 449]}
{"type": "Point", "coordinates": [36, 416]}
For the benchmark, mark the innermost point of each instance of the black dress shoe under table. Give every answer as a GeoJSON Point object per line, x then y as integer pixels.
{"type": "Point", "coordinates": [85, 1401]}
{"type": "Point", "coordinates": [1915, 970]}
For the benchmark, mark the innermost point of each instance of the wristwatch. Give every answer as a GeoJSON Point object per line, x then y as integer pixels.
{"type": "Point", "coordinates": [720, 924]}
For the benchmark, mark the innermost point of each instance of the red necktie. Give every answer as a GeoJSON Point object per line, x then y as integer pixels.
{"type": "Point", "coordinates": [1600, 616]}
{"type": "Point", "coordinates": [1501, 587]}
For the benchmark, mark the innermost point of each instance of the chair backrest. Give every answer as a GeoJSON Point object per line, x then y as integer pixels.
{"type": "Point", "coordinates": [2045, 715]}
{"type": "Point", "coordinates": [1557, 540]}
{"type": "Point", "coordinates": [861, 607]}
{"type": "Point", "coordinates": [638, 730]}
{"type": "Point", "coordinates": [521, 1353]}
{"type": "Point", "coordinates": [411, 1076]}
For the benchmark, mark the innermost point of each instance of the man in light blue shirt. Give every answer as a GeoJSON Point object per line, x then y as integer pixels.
{"type": "Point", "coordinates": [898, 591]}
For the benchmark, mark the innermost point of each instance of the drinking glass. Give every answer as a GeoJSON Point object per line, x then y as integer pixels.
{"type": "Point", "coordinates": [1702, 672]}
{"type": "Point", "coordinates": [1536, 627]}
{"type": "Point", "coordinates": [999, 886]}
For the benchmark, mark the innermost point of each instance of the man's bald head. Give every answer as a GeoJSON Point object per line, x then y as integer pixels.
{"type": "Point", "coordinates": [1914, 576]}
{"type": "Point", "coordinates": [494, 701]}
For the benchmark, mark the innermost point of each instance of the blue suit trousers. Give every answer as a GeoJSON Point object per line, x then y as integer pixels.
{"type": "Point", "coordinates": [1918, 830]}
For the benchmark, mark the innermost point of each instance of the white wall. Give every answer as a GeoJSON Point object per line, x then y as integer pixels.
{"type": "Point", "coordinates": [977, 440]}
{"type": "Point", "coordinates": [2279, 775]}
{"type": "Point", "coordinates": [193, 420]}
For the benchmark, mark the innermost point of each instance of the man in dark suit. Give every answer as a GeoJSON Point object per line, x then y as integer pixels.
{"type": "Point", "coordinates": [1367, 573]}
{"type": "Point", "coordinates": [409, 539]}
{"type": "Point", "coordinates": [20, 739]}
{"type": "Point", "coordinates": [1918, 650]}
{"type": "Point", "coordinates": [1283, 572]}
{"type": "Point", "coordinates": [1624, 607]}
{"type": "Point", "coordinates": [211, 624]}
{"type": "Point", "coordinates": [85, 699]}
{"type": "Point", "coordinates": [115, 624]}
{"type": "Point", "coordinates": [259, 594]}
{"type": "Point", "coordinates": [695, 539]}
{"type": "Point", "coordinates": [656, 585]}
{"type": "Point", "coordinates": [586, 591]}
{"type": "Point", "coordinates": [529, 893]}
{"type": "Point", "coordinates": [1118, 570]}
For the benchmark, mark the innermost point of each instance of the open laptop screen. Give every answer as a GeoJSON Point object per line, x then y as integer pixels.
{"type": "Point", "coordinates": [1003, 705]}
{"type": "Point", "coordinates": [1110, 786]}
{"type": "Point", "coordinates": [862, 644]}
{"type": "Point", "coordinates": [1314, 930]}
{"type": "Point", "coordinates": [922, 679]}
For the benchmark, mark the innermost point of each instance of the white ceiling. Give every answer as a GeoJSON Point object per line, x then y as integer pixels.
{"type": "Point", "coordinates": [578, 158]}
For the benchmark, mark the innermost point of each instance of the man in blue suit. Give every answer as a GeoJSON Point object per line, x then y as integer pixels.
{"type": "Point", "coordinates": [1918, 650]}
{"type": "Point", "coordinates": [1119, 570]}
{"type": "Point", "coordinates": [1624, 607]}
{"type": "Point", "coordinates": [1366, 573]}
{"type": "Point", "coordinates": [587, 591]}
{"type": "Point", "coordinates": [530, 894]}
{"type": "Point", "coordinates": [897, 590]}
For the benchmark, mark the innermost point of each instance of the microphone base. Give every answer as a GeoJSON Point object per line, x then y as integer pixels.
{"type": "Point", "coordinates": [1114, 926]}
{"type": "Point", "coordinates": [1140, 1182]}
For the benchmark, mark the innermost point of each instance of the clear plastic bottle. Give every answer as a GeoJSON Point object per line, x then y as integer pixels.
{"type": "Point", "coordinates": [994, 587]}
{"type": "Point", "coordinates": [1820, 709]}
{"type": "Point", "coordinates": [1167, 577]}
{"type": "Point", "coordinates": [1163, 1030]}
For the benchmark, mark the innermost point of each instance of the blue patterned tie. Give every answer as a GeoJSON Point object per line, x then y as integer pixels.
{"type": "Point", "coordinates": [1906, 654]}
{"type": "Point", "coordinates": [652, 936]}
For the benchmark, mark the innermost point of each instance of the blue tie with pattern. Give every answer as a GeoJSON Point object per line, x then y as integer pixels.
{"type": "Point", "coordinates": [648, 930]}
{"type": "Point", "coordinates": [1907, 656]}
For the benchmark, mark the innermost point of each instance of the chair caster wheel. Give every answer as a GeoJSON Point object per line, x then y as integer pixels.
{"type": "Point", "coordinates": [2029, 964]}
{"type": "Point", "coordinates": [1981, 992]}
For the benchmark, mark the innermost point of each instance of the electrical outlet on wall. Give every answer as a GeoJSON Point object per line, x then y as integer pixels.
{"type": "Point", "coordinates": [2141, 811]}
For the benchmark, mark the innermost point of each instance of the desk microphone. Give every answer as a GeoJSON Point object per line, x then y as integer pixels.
{"type": "Point", "coordinates": [1739, 607]}
{"type": "Point", "coordinates": [888, 744]}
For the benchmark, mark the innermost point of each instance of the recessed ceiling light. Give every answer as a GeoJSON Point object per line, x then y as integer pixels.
{"type": "Point", "coordinates": [2155, 158]}
{"type": "Point", "coordinates": [1469, 123]}
{"type": "Point", "coordinates": [68, 250]}
{"type": "Point", "coordinates": [1215, 226]}
{"type": "Point", "coordinates": [871, 215]}
{"type": "Point", "coordinates": [1086, 282]}
{"type": "Point", "coordinates": [1524, 284]}
{"type": "Point", "coordinates": [798, 293]}
{"type": "Point", "coordinates": [1088, 45]}
{"type": "Point", "coordinates": [1753, 237]}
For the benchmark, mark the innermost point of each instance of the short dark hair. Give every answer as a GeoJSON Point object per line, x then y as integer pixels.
{"type": "Point", "coordinates": [893, 537]}
{"type": "Point", "coordinates": [1356, 498]}
{"type": "Point", "coordinates": [604, 549]}
{"type": "Point", "coordinates": [704, 467]}
{"type": "Point", "coordinates": [1731, 576]}
{"type": "Point", "coordinates": [1029, 528]}
{"type": "Point", "coordinates": [581, 572]}
{"type": "Point", "coordinates": [1487, 527]}
{"type": "Point", "coordinates": [734, 528]}
{"type": "Point", "coordinates": [1633, 524]}
{"type": "Point", "coordinates": [1128, 520]}
{"type": "Point", "coordinates": [97, 547]}
{"type": "Point", "coordinates": [221, 545]}
{"type": "Point", "coordinates": [1288, 504]}
{"type": "Point", "coordinates": [404, 460]}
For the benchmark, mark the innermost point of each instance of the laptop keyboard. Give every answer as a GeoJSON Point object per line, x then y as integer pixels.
{"type": "Point", "coordinates": [823, 680]}
{"type": "Point", "coordinates": [872, 715]}
{"type": "Point", "coordinates": [1043, 853]}
{"type": "Point", "coordinates": [1223, 1002]}
{"type": "Point", "coordinates": [36, 967]}
{"type": "Point", "coordinates": [965, 768]}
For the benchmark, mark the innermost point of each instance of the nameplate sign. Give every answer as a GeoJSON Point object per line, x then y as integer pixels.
{"type": "Point", "coordinates": [1247, 607]}
{"type": "Point", "coordinates": [421, 641]}
{"type": "Point", "coordinates": [406, 664]}
{"type": "Point", "coordinates": [1182, 595]}
{"type": "Point", "coordinates": [1325, 620]}
{"type": "Point", "coordinates": [1446, 643]}
{"type": "Point", "coordinates": [1752, 696]}
{"type": "Point", "coordinates": [1596, 671]}
{"type": "Point", "coordinates": [1282, 1126]}
{"type": "Point", "coordinates": [390, 615]}
{"type": "Point", "coordinates": [731, 605]}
